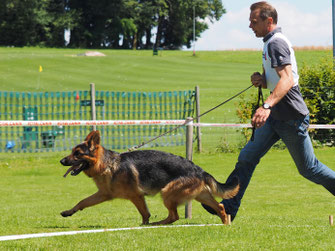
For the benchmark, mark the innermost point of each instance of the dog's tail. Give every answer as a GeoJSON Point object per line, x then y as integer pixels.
{"type": "Point", "coordinates": [226, 190]}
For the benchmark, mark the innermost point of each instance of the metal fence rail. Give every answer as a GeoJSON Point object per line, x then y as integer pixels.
{"type": "Point", "coordinates": [76, 105]}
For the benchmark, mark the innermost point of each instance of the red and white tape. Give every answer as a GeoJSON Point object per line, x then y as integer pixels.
{"type": "Point", "coordinates": [18, 123]}
{"type": "Point", "coordinates": [8, 123]}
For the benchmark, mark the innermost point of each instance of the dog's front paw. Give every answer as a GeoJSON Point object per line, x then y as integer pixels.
{"type": "Point", "coordinates": [66, 213]}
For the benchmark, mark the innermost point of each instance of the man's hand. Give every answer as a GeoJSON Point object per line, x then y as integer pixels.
{"type": "Point", "coordinates": [257, 79]}
{"type": "Point", "coordinates": [260, 117]}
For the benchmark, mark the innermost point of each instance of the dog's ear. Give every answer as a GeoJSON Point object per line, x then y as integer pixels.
{"type": "Point", "coordinates": [90, 135]}
{"type": "Point", "coordinates": [93, 139]}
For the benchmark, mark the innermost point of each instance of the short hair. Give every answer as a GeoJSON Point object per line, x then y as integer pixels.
{"type": "Point", "coordinates": [266, 10]}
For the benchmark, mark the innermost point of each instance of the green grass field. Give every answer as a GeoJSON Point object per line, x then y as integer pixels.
{"type": "Point", "coordinates": [280, 210]}
{"type": "Point", "coordinates": [219, 74]}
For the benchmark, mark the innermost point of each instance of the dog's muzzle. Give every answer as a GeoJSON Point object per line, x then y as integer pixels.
{"type": "Point", "coordinates": [76, 167]}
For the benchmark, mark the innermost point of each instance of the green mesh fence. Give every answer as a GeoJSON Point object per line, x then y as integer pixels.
{"type": "Point", "coordinates": [75, 105]}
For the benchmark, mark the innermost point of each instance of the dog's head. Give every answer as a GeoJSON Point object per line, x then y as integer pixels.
{"type": "Point", "coordinates": [83, 155]}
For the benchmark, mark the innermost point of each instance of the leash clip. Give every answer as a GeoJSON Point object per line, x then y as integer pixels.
{"type": "Point", "coordinates": [260, 96]}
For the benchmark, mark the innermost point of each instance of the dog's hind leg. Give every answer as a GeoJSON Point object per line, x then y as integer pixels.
{"type": "Point", "coordinates": [142, 207]}
{"type": "Point", "coordinates": [173, 214]}
{"type": "Point", "coordinates": [176, 193]}
{"type": "Point", "coordinates": [205, 197]}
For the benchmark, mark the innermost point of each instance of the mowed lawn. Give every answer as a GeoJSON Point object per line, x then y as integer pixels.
{"type": "Point", "coordinates": [219, 74]}
{"type": "Point", "coordinates": [280, 210]}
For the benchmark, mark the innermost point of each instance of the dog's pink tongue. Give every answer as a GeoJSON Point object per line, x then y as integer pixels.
{"type": "Point", "coordinates": [67, 172]}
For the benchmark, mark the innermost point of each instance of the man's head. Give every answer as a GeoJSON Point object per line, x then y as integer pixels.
{"type": "Point", "coordinates": [263, 18]}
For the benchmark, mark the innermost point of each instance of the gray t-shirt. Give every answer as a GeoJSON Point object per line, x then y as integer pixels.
{"type": "Point", "coordinates": [277, 52]}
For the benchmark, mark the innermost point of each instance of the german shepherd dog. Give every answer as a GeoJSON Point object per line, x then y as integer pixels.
{"type": "Point", "coordinates": [133, 175]}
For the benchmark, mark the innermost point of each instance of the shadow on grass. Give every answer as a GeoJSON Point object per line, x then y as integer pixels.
{"type": "Point", "coordinates": [56, 227]}
{"type": "Point", "coordinates": [93, 226]}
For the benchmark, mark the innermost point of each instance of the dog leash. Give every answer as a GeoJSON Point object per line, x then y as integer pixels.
{"type": "Point", "coordinates": [189, 120]}
{"type": "Point", "coordinates": [260, 96]}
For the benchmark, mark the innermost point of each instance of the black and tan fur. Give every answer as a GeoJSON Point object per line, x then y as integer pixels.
{"type": "Point", "coordinates": [133, 175]}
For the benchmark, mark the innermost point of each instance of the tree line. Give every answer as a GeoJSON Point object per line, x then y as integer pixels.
{"type": "Point", "coordinates": [127, 24]}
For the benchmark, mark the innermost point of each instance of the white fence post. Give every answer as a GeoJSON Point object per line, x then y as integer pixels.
{"type": "Point", "coordinates": [93, 114]}
{"type": "Point", "coordinates": [189, 153]}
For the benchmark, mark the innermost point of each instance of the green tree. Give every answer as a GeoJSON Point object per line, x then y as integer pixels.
{"type": "Point", "coordinates": [100, 25]}
{"type": "Point", "coordinates": [34, 22]}
{"type": "Point", "coordinates": [176, 27]}
{"type": "Point", "coordinates": [60, 18]}
{"type": "Point", "coordinates": [89, 23]}
{"type": "Point", "coordinates": [18, 22]}
{"type": "Point", "coordinates": [105, 23]}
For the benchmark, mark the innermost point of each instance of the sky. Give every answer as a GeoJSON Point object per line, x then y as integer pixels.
{"type": "Point", "coordinates": [304, 22]}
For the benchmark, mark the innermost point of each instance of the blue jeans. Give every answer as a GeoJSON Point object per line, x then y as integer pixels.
{"type": "Point", "coordinates": [295, 136]}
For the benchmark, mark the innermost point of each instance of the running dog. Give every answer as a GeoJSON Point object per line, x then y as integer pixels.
{"type": "Point", "coordinates": [133, 175]}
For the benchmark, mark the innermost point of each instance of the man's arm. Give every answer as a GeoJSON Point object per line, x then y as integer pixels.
{"type": "Point", "coordinates": [258, 79]}
{"type": "Point", "coordinates": [285, 83]}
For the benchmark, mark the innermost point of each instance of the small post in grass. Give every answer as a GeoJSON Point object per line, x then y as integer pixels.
{"type": "Point", "coordinates": [331, 220]}
{"type": "Point", "coordinates": [228, 219]}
